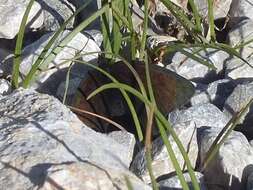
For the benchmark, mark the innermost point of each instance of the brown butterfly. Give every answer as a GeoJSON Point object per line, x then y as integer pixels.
{"type": "Point", "coordinates": [171, 91]}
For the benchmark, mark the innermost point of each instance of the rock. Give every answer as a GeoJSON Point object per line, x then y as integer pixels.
{"type": "Point", "coordinates": [39, 135]}
{"type": "Point", "coordinates": [250, 180]}
{"type": "Point", "coordinates": [173, 183]}
{"type": "Point", "coordinates": [241, 8]}
{"type": "Point", "coordinates": [11, 16]}
{"type": "Point", "coordinates": [195, 71]}
{"type": "Point", "coordinates": [229, 168]}
{"type": "Point", "coordinates": [49, 81]}
{"type": "Point", "coordinates": [220, 10]}
{"type": "Point", "coordinates": [126, 139]}
{"type": "Point", "coordinates": [216, 93]}
{"type": "Point", "coordinates": [91, 177]}
{"type": "Point", "coordinates": [201, 114]}
{"type": "Point", "coordinates": [71, 90]}
{"type": "Point", "coordinates": [5, 87]}
{"type": "Point", "coordinates": [92, 7]}
{"type": "Point", "coordinates": [239, 98]}
{"type": "Point", "coordinates": [56, 13]}
{"type": "Point", "coordinates": [161, 163]}
{"type": "Point", "coordinates": [96, 35]}
{"type": "Point", "coordinates": [241, 32]}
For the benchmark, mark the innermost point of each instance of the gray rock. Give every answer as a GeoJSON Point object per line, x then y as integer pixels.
{"type": "Point", "coordinates": [173, 183]}
{"type": "Point", "coordinates": [56, 13]}
{"type": "Point", "coordinates": [39, 135]}
{"type": "Point", "coordinates": [12, 12]}
{"type": "Point", "coordinates": [126, 139]}
{"type": "Point", "coordinates": [49, 81]}
{"type": "Point", "coordinates": [241, 8]}
{"type": "Point", "coordinates": [250, 181]}
{"type": "Point", "coordinates": [161, 163]}
{"type": "Point", "coordinates": [239, 98]}
{"type": "Point", "coordinates": [93, 6]}
{"type": "Point", "coordinates": [193, 70]}
{"type": "Point", "coordinates": [201, 114]}
{"type": "Point", "coordinates": [96, 35]}
{"type": "Point", "coordinates": [216, 93]}
{"type": "Point", "coordinates": [221, 8]}
{"type": "Point", "coordinates": [5, 87]}
{"type": "Point", "coordinates": [230, 166]}
{"type": "Point", "coordinates": [91, 177]}
{"type": "Point", "coordinates": [241, 32]}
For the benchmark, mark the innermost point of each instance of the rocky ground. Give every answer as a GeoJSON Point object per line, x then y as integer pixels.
{"type": "Point", "coordinates": [43, 144]}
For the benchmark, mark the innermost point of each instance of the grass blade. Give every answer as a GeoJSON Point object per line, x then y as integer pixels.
{"type": "Point", "coordinates": [19, 44]}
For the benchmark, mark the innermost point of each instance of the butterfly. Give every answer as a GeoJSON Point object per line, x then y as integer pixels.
{"type": "Point", "coordinates": [171, 91]}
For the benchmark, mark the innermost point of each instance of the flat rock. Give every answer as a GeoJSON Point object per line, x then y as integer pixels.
{"type": "Point", "coordinates": [41, 141]}
{"type": "Point", "coordinates": [229, 169]}
{"type": "Point", "coordinates": [12, 12]}
{"type": "Point", "coordinates": [193, 70]}
{"type": "Point", "coordinates": [201, 114]}
{"type": "Point", "coordinates": [173, 183]}
{"type": "Point", "coordinates": [161, 163]}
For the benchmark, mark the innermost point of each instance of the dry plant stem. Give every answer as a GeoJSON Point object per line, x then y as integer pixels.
{"type": "Point", "coordinates": [98, 116]}
{"type": "Point", "coordinates": [148, 145]}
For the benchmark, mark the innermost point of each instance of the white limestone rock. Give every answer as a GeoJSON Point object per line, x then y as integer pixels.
{"type": "Point", "coordinates": [11, 14]}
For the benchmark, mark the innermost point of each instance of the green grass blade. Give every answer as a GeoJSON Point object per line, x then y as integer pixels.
{"type": "Point", "coordinates": [19, 44]}
{"type": "Point", "coordinates": [211, 20]}
{"type": "Point", "coordinates": [144, 33]}
{"type": "Point", "coordinates": [196, 15]}
{"type": "Point", "coordinates": [56, 50]}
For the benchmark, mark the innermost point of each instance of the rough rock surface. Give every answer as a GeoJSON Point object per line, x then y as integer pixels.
{"type": "Point", "coordinates": [201, 114]}
{"type": "Point", "coordinates": [231, 166]}
{"type": "Point", "coordinates": [5, 87]}
{"type": "Point", "coordinates": [216, 92]}
{"type": "Point", "coordinates": [49, 81]}
{"type": "Point", "coordinates": [161, 164]}
{"type": "Point", "coordinates": [56, 13]}
{"type": "Point", "coordinates": [241, 8]}
{"type": "Point", "coordinates": [193, 70]}
{"type": "Point", "coordinates": [239, 98]}
{"type": "Point", "coordinates": [221, 8]}
{"type": "Point", "coordinates": [12, 12]}
{"type": "Point", "coordinates": [45, 135]}
{"type": "Point", "coordinates": [241, 32]}
{"type": "Point", "coordinates": [173, 183]}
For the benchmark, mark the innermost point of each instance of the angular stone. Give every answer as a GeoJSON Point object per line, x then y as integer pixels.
{"type": "Point", "coordinates": [195, 71]}
{"type": "Point", "coordinates": [126, 139]}
{"type": "Point", "coordinates": [5, 87]}
{"type": "Point", "coordinates": [241, 32]}
{"type": "Point", "coordinates": [220, 10]}
{"type": "Point", "coordinates": [229, 167]}
{"type": "Point", "coordinates": [49, 81]}
{"type": "Point", "coordinates": [216, 93]}
{"type": "Point", "coordinates": [39, 134]}
{"type": "Point", "coordinates": [239, 98]}
{"type": "Point", "coordinates": [161, 163]}
{"type": "Point", "coordinates": [12, 12]}
{"type": "Point", "coordinates": [241, 8]}
{"type": "Point", "coordinates": [56, 13]}
{"type": "Point", "coordinates": [174, 182]}
{"type": "Point", "coordinates": [91, 177]}
{"type": "Point", "coordinates": [201, 114]}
